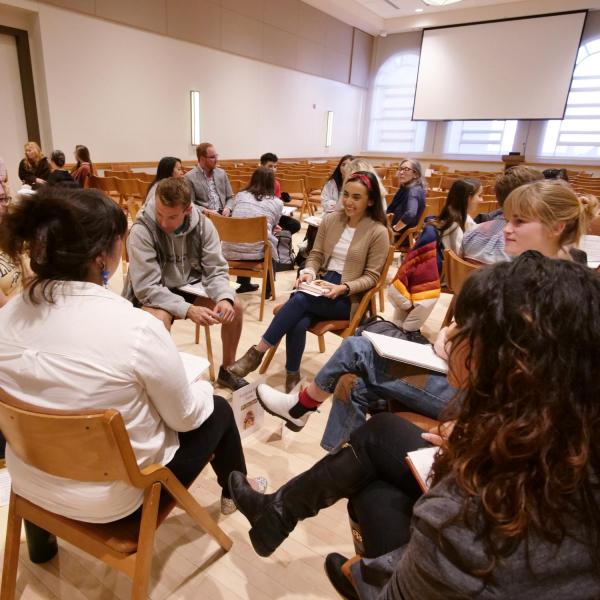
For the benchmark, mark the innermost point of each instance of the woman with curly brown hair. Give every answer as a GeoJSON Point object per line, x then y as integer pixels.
{"type": "Point", "coordinates": [514, 506]}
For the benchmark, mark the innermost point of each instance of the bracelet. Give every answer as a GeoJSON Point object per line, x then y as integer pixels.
{"type": "Point", "coordinates": [347, 289]}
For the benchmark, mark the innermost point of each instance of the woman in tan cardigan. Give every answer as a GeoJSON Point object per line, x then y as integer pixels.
{"type": "Point", "coordinates": [349, 254]}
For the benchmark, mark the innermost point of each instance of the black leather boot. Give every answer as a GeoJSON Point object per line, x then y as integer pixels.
{"type": "Point", "coordinates": [274, 516]}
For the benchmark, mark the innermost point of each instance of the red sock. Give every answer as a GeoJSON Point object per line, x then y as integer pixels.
{"type": "Point", "coordinates": [305, 400]}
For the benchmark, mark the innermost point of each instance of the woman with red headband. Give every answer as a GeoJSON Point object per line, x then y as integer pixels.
{"type": "Point", "coordinates": [348, 255]}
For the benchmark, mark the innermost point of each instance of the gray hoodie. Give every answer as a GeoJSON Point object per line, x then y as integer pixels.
{"type": "Point", "coordinates": [159, 261]}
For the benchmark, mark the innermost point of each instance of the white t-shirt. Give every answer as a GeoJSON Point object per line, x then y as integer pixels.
{"type": "Point", "coordinates": [337, 260]}
{"type": "Point", "coordinates": [92, 349]}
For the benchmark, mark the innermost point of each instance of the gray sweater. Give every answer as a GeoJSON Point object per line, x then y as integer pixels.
{"type": "Point", "coordinates": [435, 564]}
{"type": "Point", "coordinates": [159, 261]}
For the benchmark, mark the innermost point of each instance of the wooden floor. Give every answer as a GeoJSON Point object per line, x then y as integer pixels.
{"type": "Point", "coordinates": [184, 564]}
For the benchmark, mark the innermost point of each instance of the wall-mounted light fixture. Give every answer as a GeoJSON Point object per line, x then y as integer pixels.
{"type": "Point", "coordinates": [329, 130]}
{"type": "Point", "coordinates": [195, 116]}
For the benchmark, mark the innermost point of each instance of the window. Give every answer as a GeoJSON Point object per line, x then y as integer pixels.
{"type": "Point", "coordinates": [390, 126]}
{"type": "Point", "coordinates": [578, 134]}
{"type": "Point", "coordinates": [480, 137]}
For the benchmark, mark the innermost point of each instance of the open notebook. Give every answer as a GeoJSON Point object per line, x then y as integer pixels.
{"type": "Point", "coordinates": [194, 366]}
{"type": "Point", "coordinates": [421, 355]}
{"type": "Point", "coordinates": [420, 463]}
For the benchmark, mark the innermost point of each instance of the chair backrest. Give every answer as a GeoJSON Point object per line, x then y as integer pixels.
{"type": "Point", "coordinates": [89, 445]}
{"type": "Point", "coordinates": [457, 270]}
{"type": "Point", "coordinates": [105, 184]}
{"type": "Point", "coordinates": [127, 187]}
{"type": "Point", "coordinates": [230, 229]}
{"type": "Point", "coordinates": [292, 186]}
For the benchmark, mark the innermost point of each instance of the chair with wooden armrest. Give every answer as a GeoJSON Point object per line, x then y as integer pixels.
{"type": "Point", "coordinates": [243, 231]}
{"type": "Point", "coordinates": [108, 185]}
{"type": "Point", "coordinates": [456, 272]}
{"type": "Point", "coordinates": [408, 235]}
{"type": "Point", "coordinates": [343, 328]}
{"type": "Point", "coordinates": [93, 446]}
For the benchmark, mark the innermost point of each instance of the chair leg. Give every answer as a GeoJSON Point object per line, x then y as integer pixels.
{"type": "Point", "coordinates": [272, 276]}
{"type": "Point", "coordinates": [263, 294]}
{"type": "Point", "coordinates": [143, 559]}
{"type": "Point", "coordinates": [381, 297]}
{"type": "Point", "coordinates": [267, 359]}
{"type": "Point", "coordinates": [197, 338]}
{"type": "Point", "coordinates": [321, 344]}
{"type": "Point", "coordinates": [11, 551]}
{"type": "Point", "coordinates": [209, 354]}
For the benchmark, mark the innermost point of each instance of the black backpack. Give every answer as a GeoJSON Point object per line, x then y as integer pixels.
{"type": "Point", "coordinates": [284, 261]}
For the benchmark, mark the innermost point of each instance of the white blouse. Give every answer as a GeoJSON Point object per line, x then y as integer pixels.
{"type": "Point", "coordinates": [453, 236]}
{"type": "Point", "coordinates": [337, 260]}
{"type": "Point", "coordinates": [92, 349]}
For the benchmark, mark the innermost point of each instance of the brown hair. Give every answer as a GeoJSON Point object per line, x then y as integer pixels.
{"type": "Point", "coordinates": [512, 178]}
{"type": "Point", "coordinates": [262, 183]}
{"type": "Point", "coordinates": [202, 148]}
{"type": "Point", "coordinates": [553, 201]}
{"type": "Point", "coordinates": [524, 451]}
{"type": "Point", "coordinates": [174, 191]}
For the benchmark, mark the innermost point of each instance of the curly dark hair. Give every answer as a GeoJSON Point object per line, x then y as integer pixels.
{"type": "Point", "coordinates": [524, 450]}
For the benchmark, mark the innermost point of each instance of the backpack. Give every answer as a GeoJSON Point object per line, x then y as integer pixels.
{"type": "Point", "coordinates": [284, 261]}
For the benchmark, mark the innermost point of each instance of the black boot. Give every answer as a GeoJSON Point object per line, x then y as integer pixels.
{"type": "Point", "coordinates": [274, 516]}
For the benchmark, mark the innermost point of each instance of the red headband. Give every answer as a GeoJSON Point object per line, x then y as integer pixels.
{"type": "Point", "coordinates": [363, 178]}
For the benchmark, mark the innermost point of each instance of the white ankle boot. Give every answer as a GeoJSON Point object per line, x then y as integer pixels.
{"type": "Point", "coordinates": [278, 404]}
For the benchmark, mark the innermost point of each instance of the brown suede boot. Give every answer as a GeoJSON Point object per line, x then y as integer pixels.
{"type": "Point", "coordinates": [247, 363]}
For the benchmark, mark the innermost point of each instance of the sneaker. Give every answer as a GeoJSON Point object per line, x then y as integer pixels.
{"type": "Point", "coordinates": [227, 379]}
{"type": "Point", "coordinates": [259, 484]}
{"type": "Point", "coordinates": [278, 404]}
{"type": "Point", "coordinates": [246, 287]}
{"type": "Point", "coordinates": [333, 570]}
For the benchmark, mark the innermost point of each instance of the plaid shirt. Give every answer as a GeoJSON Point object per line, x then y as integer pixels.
{"type": "Point", "coordinates": [485, 243]}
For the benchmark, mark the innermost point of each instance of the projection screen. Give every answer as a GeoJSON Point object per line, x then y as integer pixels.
{"type": "Point", "coordinates": [510, 69]}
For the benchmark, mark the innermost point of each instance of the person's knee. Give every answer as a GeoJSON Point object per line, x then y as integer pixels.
{"type": "Point", "coordinates": [379, 427]}
{"type": "Point", "coordinates": [238, 309]}
{"type": "Point", "coordinates": [161, 315]}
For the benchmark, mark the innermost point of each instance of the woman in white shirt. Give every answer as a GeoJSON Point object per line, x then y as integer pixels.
{"type": "Point", "coordinates": [67, 342]}
{"type": "Point", "coordinates": [331, 192]}
{"type": "Point", "coordinates": [454, 219]}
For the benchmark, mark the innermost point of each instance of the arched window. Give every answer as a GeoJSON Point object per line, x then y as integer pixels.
{"type": "Point", "coordinates": [578, 134]}
{"type": "Point", "coordinates": [390, 125]}
{"type": "Point", "coordinates": [480, 137]}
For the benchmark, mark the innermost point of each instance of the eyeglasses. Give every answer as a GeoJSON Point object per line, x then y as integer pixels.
{"type": "Point", "coordinates": [213, 157]}
{"type": "Point", "coordinates": [405, 170]}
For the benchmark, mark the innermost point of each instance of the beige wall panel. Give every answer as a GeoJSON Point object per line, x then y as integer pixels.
{"type": "Point", "coordinates": [312, 23]}
{"type": "Point", "coordinates": [242, 35]}
{"type": "Point", "coordinates": [339, 36]}
{"type": "Point", "coordinates": [84, 6]}
{"type": "Point", "coordinates": [362, 50]}
{"type": "Point", "coordinates": [283, 14]}
{"type": "Point", "coordinates": [195, 20]}
{"type": "Point", "coordinates": [279, 47]}
{"type": "Point", "coordinates": [249, 8]}
{"type": "Point", "coordinates": [310, 57]}
{"type": "Point", "coordinates": [146, 14]}
{"type": "Point", "coordinates": [337, 65]}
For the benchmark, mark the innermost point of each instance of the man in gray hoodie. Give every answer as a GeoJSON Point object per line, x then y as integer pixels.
{"type": "Point", "coordinates": [172, 244]}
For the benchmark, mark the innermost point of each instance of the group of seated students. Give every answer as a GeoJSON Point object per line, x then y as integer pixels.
{"type": "Point", "coordinates": [513, 508]}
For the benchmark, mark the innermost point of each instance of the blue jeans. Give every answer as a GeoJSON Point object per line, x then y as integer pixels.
{"type": "Point", "coordinates": [298, 314]}
{"type": "Point", "coordinates": [418, 390]}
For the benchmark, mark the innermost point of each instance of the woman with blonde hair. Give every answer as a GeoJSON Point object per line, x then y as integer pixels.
{"type": "Point", "coordinates": [547, 216]}
{"type": "Point", "coordinates": [361, 164]}
{"type": "Point", "coordinates": [34, 169]}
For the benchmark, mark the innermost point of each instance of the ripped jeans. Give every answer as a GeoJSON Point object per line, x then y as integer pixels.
{"type": "Point", "coordinates": [417, 389]}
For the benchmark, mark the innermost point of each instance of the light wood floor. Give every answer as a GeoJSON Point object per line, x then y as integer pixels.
{"type": "Point", "coordinates": [182, 567]}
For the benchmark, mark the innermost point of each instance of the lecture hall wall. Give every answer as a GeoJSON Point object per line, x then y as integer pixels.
{"type": "Point", "coordinates": [124, 91]}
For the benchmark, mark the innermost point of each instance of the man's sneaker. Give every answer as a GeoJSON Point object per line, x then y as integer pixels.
{"type": "Point", "coordinates": [278, 404]}
{"type": "Point", "coordinates": [229, 380]}
{"type": "Point", "coordinates": [246, 287]}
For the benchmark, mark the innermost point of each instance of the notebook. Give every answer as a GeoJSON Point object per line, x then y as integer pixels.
{"type": "Point", "coordinates": [194, 287]}
{"type": "Point", "coordinates": [420, 355]}
{"type": "Point", "coordinates": [420, 463]}
{"type": "Point", "coordinates": [315, 288]}
{"type": "Point", "coordinates": [193, 365]}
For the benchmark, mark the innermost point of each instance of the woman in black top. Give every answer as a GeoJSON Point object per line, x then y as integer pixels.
{"type": "Point", "coordinates": [34, 168]}
{"type": "Point", "coordinates": [409, 202]}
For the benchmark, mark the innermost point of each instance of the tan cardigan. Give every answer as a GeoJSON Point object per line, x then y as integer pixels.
{"type": "Point", "coordinates": [366, 255]}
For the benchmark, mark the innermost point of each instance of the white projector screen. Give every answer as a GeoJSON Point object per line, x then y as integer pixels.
{"type": "Point", "coordinates": [510, 69]}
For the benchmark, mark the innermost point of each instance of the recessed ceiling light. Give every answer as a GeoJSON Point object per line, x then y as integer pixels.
{"type": "Point", "coordinates": [440, 2]}
{"type": "Point", "coordinates": [419, 10]}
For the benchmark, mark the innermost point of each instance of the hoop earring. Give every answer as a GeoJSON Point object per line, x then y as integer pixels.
{"type": "Point", "coordinates": [104, 274]}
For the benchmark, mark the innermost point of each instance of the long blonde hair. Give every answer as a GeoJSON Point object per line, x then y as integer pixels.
{"type": "Point", "coordinates": [551, 202]}
{"type": "Point", "coordinates": [36, 147]}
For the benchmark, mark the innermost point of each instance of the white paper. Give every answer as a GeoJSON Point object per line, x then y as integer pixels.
{"type": "Point", "coordinates": [591, 245]}
{"type": "Point", "coordinates": [288, 211]}
{"type": "Point", "coordinates": [4, 487]}
{"type": "Point", "coordinates": [194, 366]}
{"type": "Point", "coordinates": [422, 461]}
{"type": "Point", "coordinates": [314, 221]}
{"type": "Point", "coordinates": [194, 288]}
{"type": "Point", "coordinates": [249, 414]}
{"type": "Point", "coordinates": [421, 355]}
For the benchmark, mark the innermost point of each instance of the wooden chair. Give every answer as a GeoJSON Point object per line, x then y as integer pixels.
{"type": "Point", "coordinates": [342, 328]}
{"type": "Point", "coordinates": [408, 235]}
{"type": "Point", "coordinates": [108, 185]}
{"type": "Point", "coordinates": [253, 229]}
{"type": "Point", "coordinates": [295, 188]}
{"type": "Point", "coordinates": [91, 445]}
{"type": "Point", "coordinates": [456, 271]}
{"type": "Point", "coordinates": [131, 195]}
